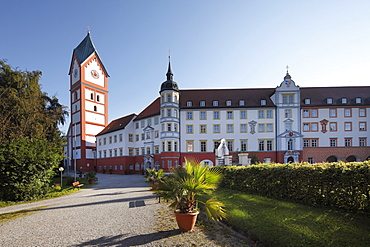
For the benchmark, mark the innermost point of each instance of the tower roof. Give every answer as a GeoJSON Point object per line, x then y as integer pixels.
{"type": "Point", "coordinates": [170, 84]}
{"type": "Point", "coordinates": [85, 49]}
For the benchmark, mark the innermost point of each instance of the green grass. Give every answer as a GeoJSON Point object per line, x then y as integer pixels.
{"type": "Point", "coordinates": [280, 223]}
{"type": "Point", "coordinates": [53, 193]}
{"type": "Point", "coordinates": [14, 215]}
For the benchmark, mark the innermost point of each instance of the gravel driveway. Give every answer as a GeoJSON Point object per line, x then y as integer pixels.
{"type": "Point", "coordinates": [119, 211]}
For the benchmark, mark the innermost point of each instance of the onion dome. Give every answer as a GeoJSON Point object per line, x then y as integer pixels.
{"type": "Point", "coordinates": [170, 84]}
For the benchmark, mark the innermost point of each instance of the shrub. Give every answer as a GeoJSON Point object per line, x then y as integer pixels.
{"type": "Point", "coordinates": [340, 185]}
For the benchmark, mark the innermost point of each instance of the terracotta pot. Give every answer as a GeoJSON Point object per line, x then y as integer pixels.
{"type": "Point", "coordinates": [186, 221]}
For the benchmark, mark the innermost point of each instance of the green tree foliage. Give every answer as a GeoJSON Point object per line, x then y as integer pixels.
{"type": "Point", "coordinates": [30, 141]}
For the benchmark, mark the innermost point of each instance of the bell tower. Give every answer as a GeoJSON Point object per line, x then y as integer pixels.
{"type": "Point", "coordinates": [88, 103]}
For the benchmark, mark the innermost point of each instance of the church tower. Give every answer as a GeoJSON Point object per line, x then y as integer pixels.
{"type": "Point", "coordinates": [170, 120]}
{"type": "Point", "coordinates": [89, 103]}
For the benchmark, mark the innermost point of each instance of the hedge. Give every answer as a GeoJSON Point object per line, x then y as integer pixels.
{"type": "Point", "coordinates": [339, 185]}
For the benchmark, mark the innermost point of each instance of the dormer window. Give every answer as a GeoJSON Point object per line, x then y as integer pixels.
{"type": "Point", "coordinates": [228, 102]}
{"type": "Point", "coordinates": [263, 102]}
{"type": "Point", "coordinates": [344, 100]}
{"type": "Point", "coordinates": [241, 102]}
{"type": "Point", "coordinates": [307, 101]}
{"type": "Point", "coordinates": [329, 101]}
{"type": "Point", "coordinates": [215, 103]}
{"type": "Point", "coordinates": [358, 100]}
{"type": "Point", "coordinates": [189, 103]}
{"type": "Point", "coordinates": [202, 103]}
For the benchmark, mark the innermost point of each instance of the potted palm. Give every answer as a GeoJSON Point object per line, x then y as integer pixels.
{"type": "Point", "coordinates": [91, 177]}
{"type": "Point", "coordinates": [154, 176]}
{"type": "Point", "coordinates": [182, 187]}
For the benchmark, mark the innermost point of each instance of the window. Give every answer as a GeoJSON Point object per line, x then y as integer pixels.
{"type": "Point", "coordinates": [268, 114]}
{"type": "Point", "coordinates": [306, 113]}
{"type": "Point", "coordinates": [332, 112]}
{"type": "Point", "coordinates": [169, 127]}
{"type": "Point", "coordinates": [110, 153]}
{"type": "Point", "coordinates": [168, 112]}
{"type": "Point", "coordinates": [105, 153]}
{"type": "Point", "coordinates": [168, 97]}
{"type": "Point", "coordinates": [333, 142]}
{"type": "Point", "coordinates": [169, 163]}
{"type": "Point", "coordinates": [243, 114]}
{"type": "Point", "coordinates": [261, 145]}
{"type": "Point", "coordinates": [344, 100]}
{"type": "Point", "coordinates": [230, 128]}
{"type": "Point", "coordinates": [92, 96]}
{"type": "Point", "coordinates": [241, 102]}
{"type": "Point", "coordinates": [175, 146]}
{"type": "Point", "coordinates": [243, 145]}
{"type": "Point", "coordinates": [263, 102]}
{"type": "Point", "coordinates": [120, 137]}
{"type": "Point", "coordinates": [169, 146]}
{"type": "Point", "coordinates": [156, 149]}
{"type": "Point", "coordinates": [156, 120]}
{"type": "Point", "coordinates": [329, 101]}
{"type": "Point", "coordinates": [216, 128]}
{"type": "Point", "coordinates": [362, 142]}
{"type": "Point", "coordinates": [143, 136]}
{"type": "Point", "coordinates": [104, 141]}
{"type": "Point", "coordinates": [261, 114]}
{"type": "Point", "coordinates": [203, 146]}
{"type": "Point", "coordinates": [202, 103]}
{"type": "Point", "coordinates": [189, 115]}
{"type": "Point", "coordinates": [215, 103]}
{"type": "Point", "coordinates": [333, 126]}
{"type": "Point", "coordinates": [130, 138]}
{"type": "Point", "coordinates": [120, 152]}
{"type": "Point", "coordinates": [189, 103]}
{"type": "Point", "coordinates": [175, 127]}
{"type": "Point", "coordinates": [243, 128]}
{"type": "Point", "coordinates": [99, 154]}
{"type": "Point", "coordinates": [162, 127]}
{"type": "Point", "coordinates": [306, 143]}
{"type": "Point", "coordinates": [216, 115]}
{"type": "Point", "coordinates": [347, 142]}
{"type": "Point", "coordinates": [358, 100]}
{"type": "Point", "coordinates": [203, 128]}
{"type": "Point", "coordinates": [269, 145]}
{"type": "Point", "coordinates": [189, 146]}
{"type": "Point", "coordinates": [361, 112]}
{"type": "Point", "coordinates": [290, 144]}
{"type": "Point", "coordinates": [229, 115]}
{"type": "Point", "coordinates": [202, 115]}
{"type": "Point", "coordinates": [228, 102]}
{"type": "Point", "coordinates": [265, 145]}
{"type": "Point", "coordinates": [347, 126]}
{"type": "Point", "coordinates": [347, 112]}
{"type": "Point", "coordinates": [288, 126]}
{"type": "Point", "coordinates": [287, 98]}
{"type": "Point", "coordinates": [362, 126]}
{"type": "Point", "coordinates": [306, 127]}
{"type": "Point", "coordinates": [97, 98]}
{"type": "Point", "coordinates": [314, 127]}
{"type": "Point", "coordinates": [307, 101]}
{"type": "Point", "coordinates": [261, 127]}
{"type": "Point", "coordinates": [288, 113]}
{"type": "Point", "coordinates": [216, 144]}
{"type": "Point", "coordinates": [95, 108]}
{"type": "Point", "coordinates": [269, 127]}
{"type": "Point", "coordinates": [110, 140]}
{"type": "Point", "coordinates": [230, 145]}
{"type": "Point", "coordinates": [99, 142]}
{"type": "Point", "coordinates": [314, 113]}
{"type": "Point", "coordinates": [137, 138]}
{"type": "Point", "coordinates": [189, 129]}
{"type": "Point", "coordinates": [136, 125]}
{"type": "Point", "coordinates": [156, 134]}
{"type": "Point", "coordinates": [148, 150]}
{"type": "Point", "coordinates": [311, 160]}
{"type": "Point", "coordinates": [314, 143]}
{"type": "Point", "coordinates": [130, 152]}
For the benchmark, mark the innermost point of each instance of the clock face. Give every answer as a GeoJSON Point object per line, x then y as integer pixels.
{"type": "Point", "coordinates": [94, 74]}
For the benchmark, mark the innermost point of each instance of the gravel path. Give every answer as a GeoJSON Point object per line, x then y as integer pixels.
{"type": "Point", "coordinates": [119, 211]}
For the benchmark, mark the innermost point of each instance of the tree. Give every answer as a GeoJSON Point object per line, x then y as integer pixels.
{"type": "Point", "coordinates": [30, 141]}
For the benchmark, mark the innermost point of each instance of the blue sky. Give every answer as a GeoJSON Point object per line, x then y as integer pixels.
{"type": "Point", "coordinates": [214, 44]}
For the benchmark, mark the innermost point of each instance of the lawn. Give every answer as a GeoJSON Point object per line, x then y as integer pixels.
{"type": "Point", "coordinates": [281, 223]}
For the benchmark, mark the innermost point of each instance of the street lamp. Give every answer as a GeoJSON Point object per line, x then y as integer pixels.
{"type": "Point", "coordinates": [61, 169]}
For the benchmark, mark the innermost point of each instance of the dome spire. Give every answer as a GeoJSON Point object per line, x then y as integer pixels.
{"type": "Point", "coordinates": [169, 71]}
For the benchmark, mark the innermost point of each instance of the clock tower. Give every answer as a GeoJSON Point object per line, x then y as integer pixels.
{"type": "Point", "coordinates": [89, 104]}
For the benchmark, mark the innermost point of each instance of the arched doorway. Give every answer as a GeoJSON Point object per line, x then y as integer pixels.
{"type": "Point", "coordinates": [290, 159]}
{"type": "Point", "coordinates": [352, 158]}
{"type": "Point", "coordinates": [332, 159]}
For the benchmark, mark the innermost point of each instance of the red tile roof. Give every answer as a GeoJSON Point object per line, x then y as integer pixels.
{"type": "Point", "coordinates": [150, 110]}
{"type": "Point", "coordinates": [117, 124]}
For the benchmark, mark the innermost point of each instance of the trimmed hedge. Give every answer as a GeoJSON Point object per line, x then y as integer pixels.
{"type": "Point", "coordinates": [339, 185]}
